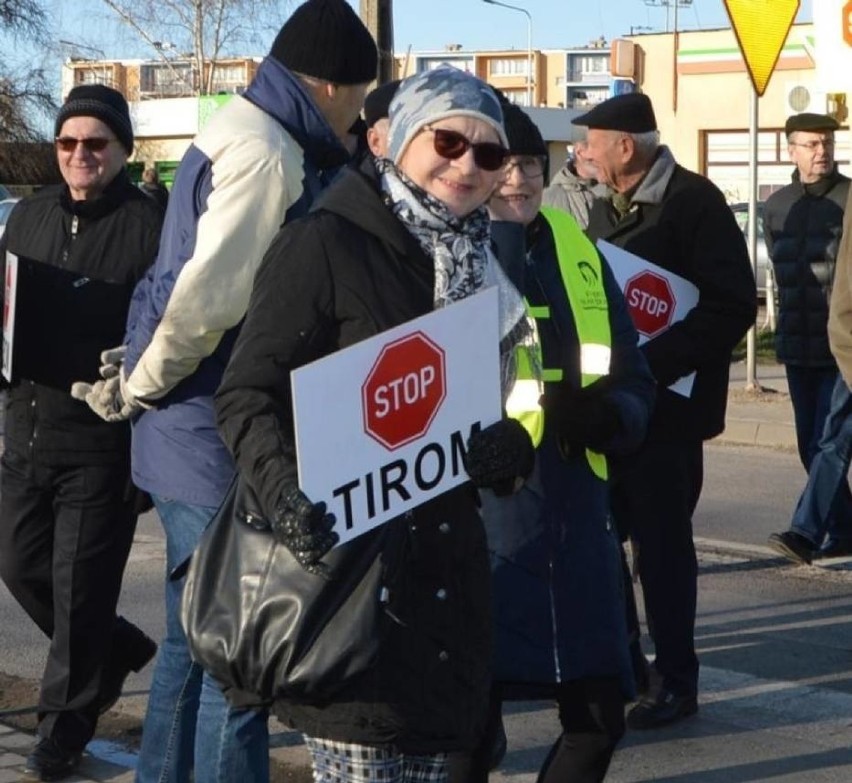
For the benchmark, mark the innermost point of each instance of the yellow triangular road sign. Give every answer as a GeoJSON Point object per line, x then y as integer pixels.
{"type": "Point", "coordinates": [761, 27]}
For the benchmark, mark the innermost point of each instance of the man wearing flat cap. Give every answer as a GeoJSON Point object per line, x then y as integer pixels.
{"type": "Point", "coordinates": [67, 506]}
{"type": "Point", "coordinates": [677, 220]}
{"type": "Point", "coordinates": [260, 162]}
{"type": "Point", "coordinates": [803, 223]}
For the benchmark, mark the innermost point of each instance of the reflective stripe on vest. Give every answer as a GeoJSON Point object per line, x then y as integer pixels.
{"type": "Point", "coordinates": [583, 283]}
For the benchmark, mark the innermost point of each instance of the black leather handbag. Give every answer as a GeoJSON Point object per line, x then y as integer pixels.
{"type": "Point", "coordinates": [264, 627]}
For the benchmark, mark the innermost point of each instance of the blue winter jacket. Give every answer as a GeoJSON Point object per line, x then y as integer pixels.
{"type": "Point", "coordinates": [557, 587]}
{"type": "Point", "coordinates": [260, 161]}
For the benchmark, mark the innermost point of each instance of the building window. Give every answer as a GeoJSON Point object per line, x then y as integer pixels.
{"type": "Point", "coordinates": [161, 80]}
{"type": "Point", "coordinates": [518, 97]}
{"type": "Point", "coordinates": [514, 66]}
{"type": "Point", "coordinates": [100, 75]}
{"type": "Point", "coordinates": [229, 78]}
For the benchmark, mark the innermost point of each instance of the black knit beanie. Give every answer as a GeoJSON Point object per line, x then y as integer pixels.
{"type": "Point", "coordinates": [523, 134]}
{"type": "Point", "coordinates": [327, 40]}
{"type": "Point", "coordinates": [377, 102]}
{"type": "Point", "coordinates": [103, 103]}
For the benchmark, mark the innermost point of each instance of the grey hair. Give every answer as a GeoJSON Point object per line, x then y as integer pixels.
{"type": "Point", "coordinates": [646, 143]}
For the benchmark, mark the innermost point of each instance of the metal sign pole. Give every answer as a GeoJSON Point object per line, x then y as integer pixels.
{"type": "Point", "coordinates": [751, 357]}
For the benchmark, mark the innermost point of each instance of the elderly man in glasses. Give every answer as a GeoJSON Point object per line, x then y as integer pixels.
{"type": "Point", "coordinates": [67, 506]}
{"type": "Point", "coordinates": [803, 223]}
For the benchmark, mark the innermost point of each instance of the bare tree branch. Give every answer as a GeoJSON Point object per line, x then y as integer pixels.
{"type": "Point", "coordinates": [203, 31]}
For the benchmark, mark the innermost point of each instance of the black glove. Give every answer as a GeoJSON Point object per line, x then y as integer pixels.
{"type": "Point", "coordinates": [499, 455]}
{"type": "Point", "coordinates": [581, 418]}
{"type": "Point", "coordinates": [304, 528]}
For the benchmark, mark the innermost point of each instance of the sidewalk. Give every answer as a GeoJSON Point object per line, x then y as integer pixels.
{"type": "Point", "coordinates": [762, 417]}
{"type": "Point", "coordinates": [757, 418]}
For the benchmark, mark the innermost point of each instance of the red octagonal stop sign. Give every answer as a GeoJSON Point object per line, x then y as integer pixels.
{"type": "Point", "coordinates": [650, 301]}
{"type": "Point", "coordinates": [403, 390]}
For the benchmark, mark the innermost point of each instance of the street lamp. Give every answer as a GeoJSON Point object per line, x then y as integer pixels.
{"type": "Point", "coordinates": [529, 44]}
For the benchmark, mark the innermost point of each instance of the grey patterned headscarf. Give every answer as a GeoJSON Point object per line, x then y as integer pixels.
{"type": "Point", "coordinates": [459, 246]}
{"type": "Point", "coordinates": [434, 95]}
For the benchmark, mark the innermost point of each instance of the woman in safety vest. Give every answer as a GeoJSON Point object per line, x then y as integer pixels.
{"type": "Point", "coordinates": [583, 390]}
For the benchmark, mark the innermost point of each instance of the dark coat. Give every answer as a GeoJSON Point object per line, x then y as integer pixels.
{"type": "Point", "coordinates": [111, 239]}
{"type": "Point", "coordinates": [802, 225]}
{"type": "Point", "coordinates": [346, 272]}
{"type": "Point", "coordinates": [558, 588]}
{"type": "Point", "coordinates": [687, 228]}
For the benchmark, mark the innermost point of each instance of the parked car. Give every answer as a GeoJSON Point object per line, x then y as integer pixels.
{"type": "Point", "coordinates": [6, 206]}
{"type": "Point", "coordinates": [763, 264]}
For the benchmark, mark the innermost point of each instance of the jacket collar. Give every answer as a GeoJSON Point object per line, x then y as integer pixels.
{"type": "Point", "coordinates": [110, 199]}
{"type": "Point", "coordinates": [280, 94]}
{"type": "Point", "coordinates": [821, 186]}
{"type": "Point", "coordinates": [355, 196]}
{"type": "Point", "coordinates": [652, 187]}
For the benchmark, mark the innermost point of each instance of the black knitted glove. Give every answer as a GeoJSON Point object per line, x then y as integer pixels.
{"type": "Point", "coordinates": [499, 455]}
{"type": "Point", "coordinates": [581, 418]}
{"type": "Point", "coordinates": [304, 528]}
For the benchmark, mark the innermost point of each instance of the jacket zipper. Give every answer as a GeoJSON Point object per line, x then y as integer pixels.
{"type": "Point", "coordinates": [66, 255]}
{"type": "Point", "coordinates": [556, 668]}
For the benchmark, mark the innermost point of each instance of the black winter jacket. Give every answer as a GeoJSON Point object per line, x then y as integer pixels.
{"type": "Point", "coordinates": [685, 226]}
{"type": "Point", "coordinates": [346, 272]}
{"type": "Point", "coordinates": [113, 239]}
{"type": "Point", "coordinates": [802, 225]}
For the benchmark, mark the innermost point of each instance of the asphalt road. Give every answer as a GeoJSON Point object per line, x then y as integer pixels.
{"type": "Point", "coordinates": [774, 642]}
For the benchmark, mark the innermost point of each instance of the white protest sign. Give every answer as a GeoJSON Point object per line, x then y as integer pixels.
{"type": "Point", "coordinates": [656, 298]}
{"type": "Point", "coordinates": [9, 296]}
{"type": "Point", "coordinates": [381, 426]}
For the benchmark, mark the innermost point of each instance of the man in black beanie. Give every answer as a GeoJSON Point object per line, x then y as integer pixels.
{"type": "Point", "coordinates": [260, 162]}
{"type": "Point", "coordinates": [677, 220]}
{"type": "Point", "coordinates": [67, 506]}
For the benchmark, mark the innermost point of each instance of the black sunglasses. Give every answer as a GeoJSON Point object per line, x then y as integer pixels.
{"type": "Point", "coordinates": [69, 143]}
{"type": "Point", "coordinates": [452, 145]}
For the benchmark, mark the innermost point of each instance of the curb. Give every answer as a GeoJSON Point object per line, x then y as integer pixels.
{"type": "Point", "coordinates": [758, 432]}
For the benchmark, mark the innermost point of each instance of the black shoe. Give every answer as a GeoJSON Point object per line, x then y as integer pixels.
{"type": "Point", "coordinates": [793, 546]}
{"type": "Point", "coordinates": [835, 547]}
{"type": "Point", "coordinates": [48, 761]}
{"type": "Point", "coordinates": [660, 710]}
{"type": "Point", "coordinates": [145, 648]}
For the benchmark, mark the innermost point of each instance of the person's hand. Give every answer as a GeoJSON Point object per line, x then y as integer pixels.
{"type": "Point", "coordinates": [112, 360]}
{"type": "Point", "coordinates": [108, 398]}
{"type": "Point", "coordinates": [500, 457]}
{"type": "Point", "coordinates": [581, 418]}
{"type": "Point", "coordinates": [304, 528]}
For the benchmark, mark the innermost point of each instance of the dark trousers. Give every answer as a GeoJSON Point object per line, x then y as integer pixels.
{"type": "Point", "coordinates": [810, 394]}
{"type": "Point", "coordinates": [65, 536]}
{"type": "Point", "coordinates": [591, 712]}
{"type": "Point", "coordinates": [654, 493]}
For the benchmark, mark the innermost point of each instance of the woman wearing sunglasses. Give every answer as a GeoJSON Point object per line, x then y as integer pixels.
{"type": "Point", "coordinates": [388, 242]}
{"type": "Point", "coordinates": [558, 594]}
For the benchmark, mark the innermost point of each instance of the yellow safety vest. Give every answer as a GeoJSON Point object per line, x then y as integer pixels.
{"type": "Point", "coordinates": [582, 277]}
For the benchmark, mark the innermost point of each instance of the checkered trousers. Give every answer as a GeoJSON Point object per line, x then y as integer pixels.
{"type": "Point", "coordinates": [341, 762]}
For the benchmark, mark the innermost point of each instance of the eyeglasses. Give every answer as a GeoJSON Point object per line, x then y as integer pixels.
{"type": "Point", "coordinates": [94, 144]}
{"type": "Point", "coordinates": [826, 144]}
{"type": "Point", "coordinates": [531, 166]}
{"type": "Point", "coordinates": [451, 145]}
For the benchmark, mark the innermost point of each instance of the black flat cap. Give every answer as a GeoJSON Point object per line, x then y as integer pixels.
{"type": "Point", "coordinates": [810, 122]}
{"type": "Point", "coordinates": [377, 102]}
{"type": "Point", "coordinates": [630, 113]}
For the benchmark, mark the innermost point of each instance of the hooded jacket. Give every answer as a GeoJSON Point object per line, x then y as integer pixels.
{"type": "Point", "coordinates": [803, 225]}
{"type": "Point", "coordinates": [260, 162]}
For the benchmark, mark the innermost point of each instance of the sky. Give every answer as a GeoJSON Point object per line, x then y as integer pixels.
{"type": "Point", "coordinates": [432, 24]}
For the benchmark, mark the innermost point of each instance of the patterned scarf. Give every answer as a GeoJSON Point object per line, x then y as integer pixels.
{"type": "Point", "coordinates": [461, 251]}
